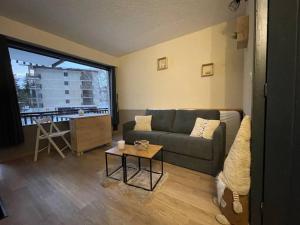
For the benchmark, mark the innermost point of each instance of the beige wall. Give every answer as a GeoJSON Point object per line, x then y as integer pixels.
{"type": "Point", "coordinates": [249, 61]}
{"type": "Point", "coordinates": [141, 86]}
{"type": "Point", "coordinates": [30, 34]}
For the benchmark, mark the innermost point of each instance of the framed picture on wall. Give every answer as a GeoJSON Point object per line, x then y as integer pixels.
{"type": "Point", "coordinates": [162, 63]}
{"type": "Point", "coordinates": [207, 70]}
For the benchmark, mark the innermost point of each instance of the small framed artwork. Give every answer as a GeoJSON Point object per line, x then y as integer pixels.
{"type": "Point", "coordinates": [207, 70]}
{"type": "Point", "coordinates": [162, 63]}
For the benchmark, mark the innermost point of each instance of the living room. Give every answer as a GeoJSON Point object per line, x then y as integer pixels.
{"type": "Point", "coordinates": [153, 75]}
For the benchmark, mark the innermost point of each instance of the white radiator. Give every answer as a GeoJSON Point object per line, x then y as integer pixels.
{"type": "Point", "coordinates": [233, 121]}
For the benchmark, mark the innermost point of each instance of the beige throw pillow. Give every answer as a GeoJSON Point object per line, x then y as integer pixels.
{"type": "Point", "coordinates": [205, 128]}
{"type": "Point", "coordinates": [143, 123]}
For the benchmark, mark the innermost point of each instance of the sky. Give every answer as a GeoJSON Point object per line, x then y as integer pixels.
{"type": "Point", "coordinates": [20, 70]}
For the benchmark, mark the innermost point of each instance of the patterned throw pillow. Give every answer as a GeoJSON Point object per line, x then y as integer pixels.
{"type": "Point", "coordinates": [205, 128]}
{"type": "Point", "coordinates": [143, 123]}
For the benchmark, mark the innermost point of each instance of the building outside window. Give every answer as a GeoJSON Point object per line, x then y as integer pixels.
{"type": "Point", "coordinates": [41, 86]}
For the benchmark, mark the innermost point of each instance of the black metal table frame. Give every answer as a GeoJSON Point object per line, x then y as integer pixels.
{"type": "Point", "coordinates": [152, 187]}
{"type": "Point", "coordinates": [118, 168]}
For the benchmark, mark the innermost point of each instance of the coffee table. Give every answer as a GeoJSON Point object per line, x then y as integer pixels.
{"type": "Point", "coordinates": [131, 151]}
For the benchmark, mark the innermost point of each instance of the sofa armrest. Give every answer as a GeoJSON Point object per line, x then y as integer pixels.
{"type": "Point", "coordinates": [219, 145]}
{"type": "Point", "coordinates": [128, 126]}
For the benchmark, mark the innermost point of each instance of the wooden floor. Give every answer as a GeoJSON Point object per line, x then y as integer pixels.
{"type": "Point", "coordinates": [55, 191]}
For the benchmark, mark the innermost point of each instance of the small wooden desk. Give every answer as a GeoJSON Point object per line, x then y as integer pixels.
{"type": "Point", "coordinates": [89, 131]}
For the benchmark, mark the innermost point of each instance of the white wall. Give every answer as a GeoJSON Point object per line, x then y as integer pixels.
{"type": "Point", "coordinates": [141, 86]}
{"type": "Point", "coordinates": [249, 61]}
{"type": "Point", "coordinates": [30, 34]}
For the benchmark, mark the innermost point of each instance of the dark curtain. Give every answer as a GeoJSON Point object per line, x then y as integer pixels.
{"type": "Point", "coordinates": [11, 132]}
{"type": "Point", "coordinates": [114, 98]}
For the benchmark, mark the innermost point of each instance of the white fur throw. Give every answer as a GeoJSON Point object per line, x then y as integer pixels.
{"type": "Point", "coordinates": [205, 128]}
{"type": "Point", "coordinates": [236, 172]}
{"type": "Point", "coordinates": [143, 123]}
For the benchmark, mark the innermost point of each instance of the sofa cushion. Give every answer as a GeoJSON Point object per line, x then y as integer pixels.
{"type": "Point", "coordinates": [162, 120]}
{"type": "Point", "coordinates": [143, 123]}
{"type": "Point", "coordinates": [205, 128]}
{"type": "Point", "coordinates": [185, 119]}
{"type": "Point", "coordinates": [152, 136]}
{"type": "Point", "coordinates": [187, 145]}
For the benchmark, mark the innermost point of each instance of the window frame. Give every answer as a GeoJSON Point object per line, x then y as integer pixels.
{"type": "Point", "coordinates": [34, 48]}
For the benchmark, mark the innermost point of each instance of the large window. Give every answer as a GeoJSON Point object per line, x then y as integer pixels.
{"type": "Point", "coordinates": [54, 86]}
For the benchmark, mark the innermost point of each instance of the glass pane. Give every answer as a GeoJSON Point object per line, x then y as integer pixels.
{"type": "Point", "coordinates": [54, 87]}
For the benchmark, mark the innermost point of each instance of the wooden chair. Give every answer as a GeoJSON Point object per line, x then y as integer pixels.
{"type": "Point", "coordinates": [53, 133]}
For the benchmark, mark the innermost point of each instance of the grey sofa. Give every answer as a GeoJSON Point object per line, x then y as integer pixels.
{"type": "Point", "coordinates": [171, 128]}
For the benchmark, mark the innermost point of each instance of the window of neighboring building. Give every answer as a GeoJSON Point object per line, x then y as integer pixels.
{"type": "Point", "coordinates": [39, 84]}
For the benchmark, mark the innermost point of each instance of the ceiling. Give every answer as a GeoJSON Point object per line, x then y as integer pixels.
{"type": "Point", "coordinates": [118, 27]}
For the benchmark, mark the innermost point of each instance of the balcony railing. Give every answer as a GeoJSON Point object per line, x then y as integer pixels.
{"type": "Point", "coordinates": [86, 77]}
{"type": "Point", "coordinates": [56, 116]}
{"type": "Point", "coordinates": [35, 86]}
{"type": "Point", "coordinates": [87, 95]}
{"type": "Point", "coordinates": [87, 86]}
{"type": "Point", "coordinates": [87, 101]}
{"type": "Point", "coordinates": [34, 77]}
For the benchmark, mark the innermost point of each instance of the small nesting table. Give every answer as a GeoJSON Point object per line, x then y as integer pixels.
{"type": "Point", "coordinates": [131, 151]}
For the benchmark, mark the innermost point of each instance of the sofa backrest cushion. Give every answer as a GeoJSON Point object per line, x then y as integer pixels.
{"type": "Point", "coordinates": [162, 120]}
{"type": "Point", "coordinates": [185, 119]}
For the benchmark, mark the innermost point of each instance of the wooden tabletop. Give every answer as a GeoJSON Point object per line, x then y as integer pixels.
{"type": "Point", "coordinates": [131, 150]}
{"type": "Point", "coordinates": [115, 151]}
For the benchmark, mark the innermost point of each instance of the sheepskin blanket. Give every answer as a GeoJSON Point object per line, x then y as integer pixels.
{"type": "Point", "coordinates": [236, 172]}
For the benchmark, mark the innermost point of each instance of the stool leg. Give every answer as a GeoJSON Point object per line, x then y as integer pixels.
{"type": "Point", "coordinates": [56, 147]}
{"type": "Point", "coordinates": [67, 143]}
{"type": "Point", "coordinates": [49, 147]}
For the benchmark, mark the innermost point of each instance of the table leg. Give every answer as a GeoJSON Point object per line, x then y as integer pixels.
{"type": "Point", "coordinates": [124, 163]}
{"type": "Point", "coordinates": [162, 161]}
{"type": "Point", "coordinates": [106, 166]}
{"type": "Point", "coordinates": [139, 163]}
{"type": "Point", "coordinates": [151, 175]}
